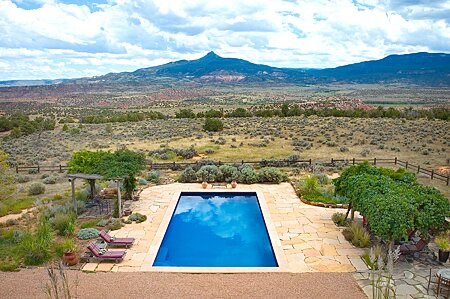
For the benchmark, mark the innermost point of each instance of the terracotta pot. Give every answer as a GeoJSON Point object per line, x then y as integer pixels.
{"type": "Point", "coordinates": [443, 256]}
{"type": "Point", "coordinates": [70, 258]}
{"type": "Point", "coordinates": [233, 184]}
{"type": "Point", "coordinates": [204, 185]}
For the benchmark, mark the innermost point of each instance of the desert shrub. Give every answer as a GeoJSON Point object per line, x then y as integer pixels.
{"type": "Point", "coordinates": [57, 196]}
{"type": "Point", "coordinates": [310, 185]}
{"type": "Point", "coordinates": [89, 224]}
{"type": "Point", "coordinates": [229, 173]}
{"type": "Point", "coordinates": [36, 189]}
{"type": "Point", "coordinates": [339, 219]}
{"type": "Point", "coordinates": [103, 222]}
{"type": "Point", "coordinates": [186, 153]}
{"type": "Point", "coordinates": [357, 235]}
{"type": "Point", "coordinates": [365, 152]}
{"type": "Point", "coordinates": [138, 218]}
{"type": "Point", "coordinates": [271, 175]}
{"type": "Point", "coordinates": [32, 171]}
{"type": "Point", "coordinates": [209, 173]}
{"type": "Point", "coordinates": [153, 176]}
{"type": "Point", "coordinates": [322, 178]}
{"type": "Point", "coordinates": [65, 246]}
{"type": "Point", "coordinates": [142, 181]}
{"type": "Point", "coordinates": [82, 195]}
{"type": "Point", "coordinates": [22, 178]}
{"type": "Point", "coordinates": [64, 224]}
{"type": "Point", "coordinates": [36, 247]}
{"type": "Point", "coordinates": [213, 125]}
{"type": "Point", "coordinates": [49, 180]}
{"type": "Point", "coordinates": [248, 175]}
{"type": "Point", "coordinates": [115, 224]}
{"type": "Point", "coordinates": [188, 176]}
{"type": "Point", "coordinates": [87, 233]}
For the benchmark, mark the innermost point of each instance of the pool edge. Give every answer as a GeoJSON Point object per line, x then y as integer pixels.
{"type": "Point", "coordinates": [270, 227]}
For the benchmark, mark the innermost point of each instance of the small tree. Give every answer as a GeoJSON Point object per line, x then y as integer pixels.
{"type": "Point", "coordinates": [213, 125]}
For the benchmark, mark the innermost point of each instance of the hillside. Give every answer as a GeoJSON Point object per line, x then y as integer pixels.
{"type": "Point", "coordinates": [426, 69]}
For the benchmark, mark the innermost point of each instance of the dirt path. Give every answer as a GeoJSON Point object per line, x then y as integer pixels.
{"type": "Point", "coordinates": [31, 284]}
{"type": "Point", "coordinates": [15, 216]}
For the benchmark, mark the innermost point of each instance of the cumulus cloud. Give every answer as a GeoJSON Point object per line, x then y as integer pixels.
{"type": "Point", "coordinates": [75, 38]}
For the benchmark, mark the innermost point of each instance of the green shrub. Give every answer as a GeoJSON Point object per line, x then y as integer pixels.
{"type": "Point", "coordinates": [248, 175]}
{"type": "Point", "coordinates": [9, 264]}
{"type": "Point", "coordinates": [229, 173]}
{"type": "Point", "coordinates": [89, 224]}
{"type": "Point", "coordinates": [87, 233]}
{"type": "Point", "coordinates": [340, 219]}
{"type": "Point", "coordinates": [188, 176]}
{"type": "Point", "coordinates": [142, 182]}
{"type": "Point", "coordinates": [153, 176]}
{"type": "Point", "coordinates": [22, 178]}
{"type": "Point", "coordinates": [319, 197]}
{"type": "Point", "coordinates": [209, 173]}
{"type": "Point", "coordinates": [49, 180]}
{"type": "Point", "coordinates": [357, 235]}
{"type": "Point", "coordinates": [271, 175]}
{"type": "Point", "coordinates": [310, 185]}
{"type": "Point", "coordinates": [36, 248]}
{"type": "Point", "coordinates": [103, 222]}
{"type": "Point", "coordinates": [137, 217]}
{"type": "Point", "coordinates": [65, 246]}
{"type": "Point", "coordinates": [115, 224]}
{"type": "Point", "coordinates": [64, 224]}
{"type": "Point", "coordinates": [213, 125]}
{"type": "Point", "coordinates": [36, 189]}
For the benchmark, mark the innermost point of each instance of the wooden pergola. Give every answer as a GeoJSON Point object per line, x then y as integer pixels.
{"type": "Point", "coordinates": [91, 178]}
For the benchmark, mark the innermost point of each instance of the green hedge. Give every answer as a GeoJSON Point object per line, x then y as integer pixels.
{"type": "Point", "coordinates": [392, 201]}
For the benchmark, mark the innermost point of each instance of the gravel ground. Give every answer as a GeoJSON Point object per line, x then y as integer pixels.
{"type": "Point", "coordinates": [30, 283]}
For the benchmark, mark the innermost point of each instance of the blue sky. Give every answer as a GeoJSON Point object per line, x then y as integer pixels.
{"type": "Point", "coordinates": [77, 38]}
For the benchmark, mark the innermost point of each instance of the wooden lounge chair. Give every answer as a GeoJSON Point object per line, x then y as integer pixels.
{"type": "Point", "coordinates": [102, 255]}
{"type": "Point", "coordinates": [117, 242]}
{"type": "Point", "coordinates": [443, 286]}
{"type": "Point", "coordinates": [413, 248]}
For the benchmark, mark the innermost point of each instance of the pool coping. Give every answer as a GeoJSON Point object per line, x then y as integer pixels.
{"type": "Point", "coordinates": [270, 226]}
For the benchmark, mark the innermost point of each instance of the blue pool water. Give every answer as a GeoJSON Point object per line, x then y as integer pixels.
{"type": "Point", "coordinates": [216, 230]}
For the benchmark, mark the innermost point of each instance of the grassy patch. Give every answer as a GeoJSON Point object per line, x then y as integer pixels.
{"type": "Point", "coordinates": [318, 197]}
{"type": "Point", "coordinates": [15, 206]}
{"type": "Point", "coordinates": [90, 223]}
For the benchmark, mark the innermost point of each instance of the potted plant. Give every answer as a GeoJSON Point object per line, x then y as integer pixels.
{"type": "Point", "coordinates": [70, 257]}
{"type": "Point", "coordinates": [444, 247]}
{"type": "Point", "coordinates": [233, 184]}
{"type": "Point", "coordinates": [204, 184]}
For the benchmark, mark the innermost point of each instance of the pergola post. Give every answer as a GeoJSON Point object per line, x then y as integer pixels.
{"type": "Point", "coordinates": [75, 208]}
{"type": "Point", "coordinates": [119, 198]}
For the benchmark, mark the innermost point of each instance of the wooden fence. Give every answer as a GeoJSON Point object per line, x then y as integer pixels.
{"type": "Point", "coordinates": [274, 163]}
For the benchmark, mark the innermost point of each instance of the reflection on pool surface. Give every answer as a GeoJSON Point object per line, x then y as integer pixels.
{"type": "Point", "coordinates": [216, 230]}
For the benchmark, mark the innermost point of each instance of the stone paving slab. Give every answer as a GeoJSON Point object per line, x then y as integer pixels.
{"type": "Point", "coordinates": [310, 241]}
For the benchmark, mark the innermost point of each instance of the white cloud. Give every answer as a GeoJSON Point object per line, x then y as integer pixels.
{"type": "Point", "coordinates": [51, 39]}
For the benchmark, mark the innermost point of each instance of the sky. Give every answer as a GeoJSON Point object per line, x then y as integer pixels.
{"type": "Point", "coordinates": [82, 38]}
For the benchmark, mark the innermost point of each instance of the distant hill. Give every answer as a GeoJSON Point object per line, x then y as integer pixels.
{"type": "Point", "coordinates": [430, 69]}
{"type": "Point", "coordinates": [30, 82]}
{"type": "Point", "coordinates": [418, 68]}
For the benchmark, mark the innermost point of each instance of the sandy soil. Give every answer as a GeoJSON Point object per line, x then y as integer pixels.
{"type": "Point", "coordinates": [30, 283]}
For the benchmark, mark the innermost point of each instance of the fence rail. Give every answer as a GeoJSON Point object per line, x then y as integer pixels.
{"type": "Point", "coordinates": [274, 163]}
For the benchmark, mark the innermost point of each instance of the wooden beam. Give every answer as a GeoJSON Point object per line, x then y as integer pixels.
{"type": "Point", "coordinates": [119, 198]}
{"type": "Point", "coordinates": [75, 208]}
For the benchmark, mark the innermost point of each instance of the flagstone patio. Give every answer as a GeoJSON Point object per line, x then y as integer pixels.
{"type": "Point", "coordinates": [309, 239]}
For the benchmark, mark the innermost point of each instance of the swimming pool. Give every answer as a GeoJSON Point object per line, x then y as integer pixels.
{"type": "Point", "coordinates": [216, 229]}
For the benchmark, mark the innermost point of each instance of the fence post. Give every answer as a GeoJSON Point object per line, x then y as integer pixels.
{"type": "Point", "coordinates": [38, 168]}
{"type": "Point", "coordinates": [353, 161]}
{"type": "Point", "coordinates": [406, 165]}
{"type": "Point", "coordinates": [332, 161]}
{"type": "Point", "coordinates": [219, 162]}
{"type": "Point", "coordinates": [418, 168]}
{"type": "Point", "coordinates": [17, 169]}
{"type": "Point", "coordinates": [395, 161]}
{"type": "Point", "coordinates": [242, 162]}
{"type": "Point", "coordinates": [374, 161]}
{"type": "Point", "coordinates": [432, 174]}
{"type": "Point", "coordinates": [174, 165]}
{"type": "Point", "coordinates": [448, 179]}
{"type": "Point", "coordinates": [310, 161]}
{"type": "Point", "coordinates": [60, 168]}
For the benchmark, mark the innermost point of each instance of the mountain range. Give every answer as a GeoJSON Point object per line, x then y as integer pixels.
{"type": "Point", "coordinates": [431, 69]}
